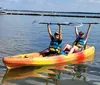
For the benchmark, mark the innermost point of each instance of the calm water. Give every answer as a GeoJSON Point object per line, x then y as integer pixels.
{"type": "Point", "coordinates": [18, 35]}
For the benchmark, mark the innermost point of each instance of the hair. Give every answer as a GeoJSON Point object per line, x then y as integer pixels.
{"type": "Point", "coordinates": [56, 33]}
{"type": "Point", "coordinates": [81, 33]}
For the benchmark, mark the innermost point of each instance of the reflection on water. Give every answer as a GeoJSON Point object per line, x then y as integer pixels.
{"type": "Point", "coordinates": [49, 73]}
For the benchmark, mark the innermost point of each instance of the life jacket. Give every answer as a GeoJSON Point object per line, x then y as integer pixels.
{"type": "Point", "coordinates": [55, 45]}
{"type": "Point", "coordinates": [79, 42]}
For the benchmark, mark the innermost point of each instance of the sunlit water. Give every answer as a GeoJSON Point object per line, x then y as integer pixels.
{"type": "Point", "coordinates": [18, 35]}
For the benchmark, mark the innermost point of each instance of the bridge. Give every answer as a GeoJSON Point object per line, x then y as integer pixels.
{"type": "Point", "coordinates": [50, 13]}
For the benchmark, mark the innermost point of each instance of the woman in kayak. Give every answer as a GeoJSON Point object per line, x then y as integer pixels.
{"type": "Point", "coordinates": [56, 42]}
{"type": "Point", "coordinates": [79, 43]}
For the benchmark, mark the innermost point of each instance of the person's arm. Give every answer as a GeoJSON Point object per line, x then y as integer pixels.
{"type": "Point", "coordinates": [76, 32]}
{"type": "Point", "coordinates": [88, 30]}
{"type": "Point", "coordinates": [60, 32]}
{"type": "Point", "coordinates": [49, 31]}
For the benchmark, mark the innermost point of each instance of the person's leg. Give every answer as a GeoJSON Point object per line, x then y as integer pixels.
{"type": "Point", "coordinates": [66, 47]}
{"type": "Point", "coordinates": [73, 49]}
{"type": "Point", "coordinates": [45, 51]}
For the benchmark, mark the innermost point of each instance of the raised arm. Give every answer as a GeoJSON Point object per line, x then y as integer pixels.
{"type": "Point", "coordinates": [76, 32]}
{"type": "Point", "coordinates": [49, 31]}
{"type": "Point", "coordinates": [60, 32]}
{"type": "Point", "coordinates": [88, 30]}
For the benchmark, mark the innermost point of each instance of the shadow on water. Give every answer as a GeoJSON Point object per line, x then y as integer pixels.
{"type": "Point", "coordinates": [45, 74]}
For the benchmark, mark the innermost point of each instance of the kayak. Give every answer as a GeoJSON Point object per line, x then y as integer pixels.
{"type": "Point", "coordinates": [36, 58]}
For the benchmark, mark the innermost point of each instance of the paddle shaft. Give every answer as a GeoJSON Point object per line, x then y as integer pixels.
{"type": "Point", "coordinates": [92, 23]}
{"type": "Point", "coordinates": [54, 23]}
{"type": "Point", "coordinates": [67, 23]}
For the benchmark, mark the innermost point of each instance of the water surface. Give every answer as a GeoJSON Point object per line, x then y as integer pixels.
{"type": "Point", "coordinates": [18, 35]}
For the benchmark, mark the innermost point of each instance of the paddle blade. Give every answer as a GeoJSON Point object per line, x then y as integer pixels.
{"type": "Point", "coordinates": [76, 24]}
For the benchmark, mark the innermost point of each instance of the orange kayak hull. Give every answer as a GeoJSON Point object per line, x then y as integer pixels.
{"type": "Point", "coordinates": [35, 59]}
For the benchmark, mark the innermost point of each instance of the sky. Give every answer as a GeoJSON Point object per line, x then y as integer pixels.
{"type": "Point", "coordinates": [53, 5]}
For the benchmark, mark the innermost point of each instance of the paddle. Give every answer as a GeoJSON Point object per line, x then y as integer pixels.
{"type": "Point", "coordinates": [75, 24]}
{"type": "Point", "coordinates": [64, 23]}
{"type": "Point", "coordinates": [69, 23]}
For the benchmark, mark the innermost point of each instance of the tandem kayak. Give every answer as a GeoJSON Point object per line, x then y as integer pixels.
{"type": "Point", "coordinates": [36, 59]}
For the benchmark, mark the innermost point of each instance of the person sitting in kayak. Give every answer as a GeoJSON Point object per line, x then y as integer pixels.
{"type": "Point", "coordinates": [56, 42]}
{"type": "Point", "coordinates": [79, 43]}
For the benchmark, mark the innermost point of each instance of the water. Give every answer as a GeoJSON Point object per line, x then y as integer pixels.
{"type": "Point", "coordinates": [18, 35]}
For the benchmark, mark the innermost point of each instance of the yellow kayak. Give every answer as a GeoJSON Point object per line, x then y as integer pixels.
{"type": "Point", "coordinates": [36, 59]}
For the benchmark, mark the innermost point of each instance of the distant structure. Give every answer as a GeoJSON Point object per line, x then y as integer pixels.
{"type": "Point", "coordinates": [0, 7]}
{"type": "Point", "coordinates": [49, 13]}
{"type": "Point", "coordinates": [1, 11]}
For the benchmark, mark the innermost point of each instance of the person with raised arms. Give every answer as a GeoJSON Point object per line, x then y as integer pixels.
{"type": "Point", "coordinates": [79, 43]}
{"type": "Point", "coordinates": [56, 42]}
